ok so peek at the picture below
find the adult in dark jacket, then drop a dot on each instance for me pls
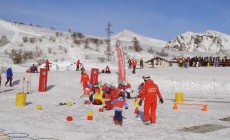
(141, 63)
(9, 76)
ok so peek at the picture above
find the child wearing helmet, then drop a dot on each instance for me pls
(119, 103)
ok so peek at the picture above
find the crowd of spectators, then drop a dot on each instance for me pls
(204, 62)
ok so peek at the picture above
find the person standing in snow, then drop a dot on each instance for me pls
(129, 62)
(141, 63)
(134, 64)
(119, 103)
(78, 65)
(48, 64)
(9, 76)
(84, 79)
(150, 93)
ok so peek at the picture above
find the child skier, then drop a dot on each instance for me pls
(119, 104)
(128, 90)
(87, 92)
(107, 97)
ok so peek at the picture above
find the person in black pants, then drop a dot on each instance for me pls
(9, 76)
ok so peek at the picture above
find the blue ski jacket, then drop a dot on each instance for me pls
(9, 73)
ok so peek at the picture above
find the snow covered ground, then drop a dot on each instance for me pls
(209, 86)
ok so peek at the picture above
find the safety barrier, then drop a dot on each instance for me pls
(205, 106)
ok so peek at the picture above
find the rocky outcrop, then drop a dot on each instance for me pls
(210, 41)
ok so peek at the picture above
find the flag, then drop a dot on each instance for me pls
(121, 63)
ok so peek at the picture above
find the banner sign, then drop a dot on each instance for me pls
(121, 63)
(43, 80)
(94, 76)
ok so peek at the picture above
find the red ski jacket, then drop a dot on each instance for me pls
(84, 78)
(133, 63)
(78, 62)
(150, 92)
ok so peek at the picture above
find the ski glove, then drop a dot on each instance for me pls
(140, 103)
(161, 101)
(126, 107)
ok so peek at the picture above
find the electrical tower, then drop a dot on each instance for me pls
(108, 41)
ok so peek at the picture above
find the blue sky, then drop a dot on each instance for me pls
(160, 19)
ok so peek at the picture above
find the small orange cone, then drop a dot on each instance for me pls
(205, 108)
(90, 115)
(101, 110)
(175, 106)
(136, 111)
(69, 118)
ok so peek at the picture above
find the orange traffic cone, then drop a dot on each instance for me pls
(205, 108)
(175, 106)
(90, 115)
(101, 110)
(69, 118)
(136, 111)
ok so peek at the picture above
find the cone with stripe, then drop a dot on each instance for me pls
(90, 115)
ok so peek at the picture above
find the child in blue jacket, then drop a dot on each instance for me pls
(119, 103)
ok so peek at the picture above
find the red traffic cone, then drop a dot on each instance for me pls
(101, 110)
(69, 118)
(136, 111)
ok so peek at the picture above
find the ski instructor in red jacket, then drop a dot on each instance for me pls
(150, 93)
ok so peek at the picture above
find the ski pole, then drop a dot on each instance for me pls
(27, 87)
(30, 83)
(23, 84)
(82, 95)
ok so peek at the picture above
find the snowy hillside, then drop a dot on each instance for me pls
(35, 44)
(209, 41)
(127, 36)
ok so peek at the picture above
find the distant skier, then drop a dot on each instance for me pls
(78, 65)
(134, 64)
(150, 93)
(47, 64)
(107, 69)
(129, 62)
(9, 76)
(84, 79)
(119, 103)
(141, 63)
